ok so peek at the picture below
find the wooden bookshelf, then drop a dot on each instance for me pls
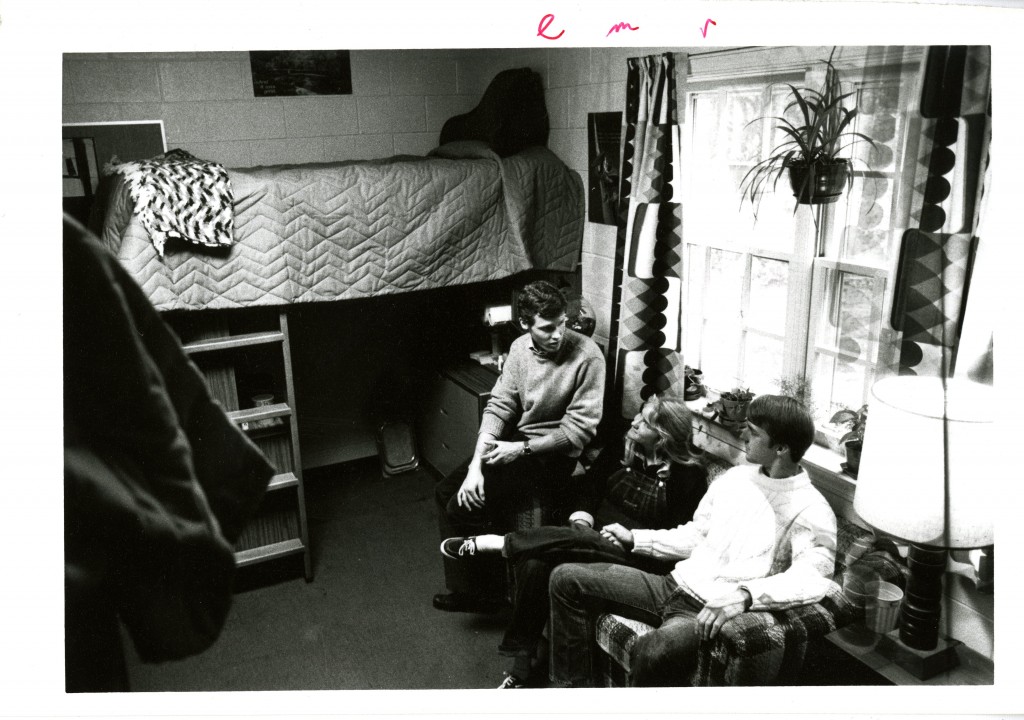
(223, 347)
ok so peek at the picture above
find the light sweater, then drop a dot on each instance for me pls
(775, 537)
(561, 395)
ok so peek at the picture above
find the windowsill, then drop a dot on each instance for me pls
(822, 464)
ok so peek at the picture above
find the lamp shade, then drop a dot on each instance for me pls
(920, 478)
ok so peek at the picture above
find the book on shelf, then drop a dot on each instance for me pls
(269, 527)
(277, 448)
(220, 381)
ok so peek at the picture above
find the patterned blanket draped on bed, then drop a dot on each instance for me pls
(180, 196)
(355, 229)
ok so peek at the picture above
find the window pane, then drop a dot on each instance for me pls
(723, 296)
(707, 140)
(720, 353)
(879, 117)
(782, 96)
(821, 385)
(769, 281)
(839, 384)
(762, 362)
(724, 148)
(856, 317)
(864, 231)
(744, 138)
(851, 320)
(867, 236)
(693, 318)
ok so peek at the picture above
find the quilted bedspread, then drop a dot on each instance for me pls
(356, 229)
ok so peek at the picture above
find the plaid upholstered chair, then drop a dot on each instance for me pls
(762, 647)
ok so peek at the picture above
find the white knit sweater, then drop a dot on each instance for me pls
(776, 537)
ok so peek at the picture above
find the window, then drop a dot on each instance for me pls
(799, 295)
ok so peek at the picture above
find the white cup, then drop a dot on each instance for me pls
(883, 608)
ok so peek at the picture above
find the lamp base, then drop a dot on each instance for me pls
(922, 664)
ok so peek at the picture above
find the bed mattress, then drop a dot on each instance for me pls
(357, 229)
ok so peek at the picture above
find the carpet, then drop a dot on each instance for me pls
(365, 621)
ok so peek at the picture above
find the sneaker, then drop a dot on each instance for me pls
(511, 682)
(461, 602)
(458, 548)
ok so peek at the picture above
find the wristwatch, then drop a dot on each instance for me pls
(526, 447)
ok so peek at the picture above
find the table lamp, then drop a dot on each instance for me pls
(496, 317)
(919, 482)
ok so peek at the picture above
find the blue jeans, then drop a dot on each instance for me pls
(533, 554)
(581, 593)
(547, 476)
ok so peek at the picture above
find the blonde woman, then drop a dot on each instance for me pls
(657, 448)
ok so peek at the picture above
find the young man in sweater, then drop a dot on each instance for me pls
(544, 409)
(763, 538)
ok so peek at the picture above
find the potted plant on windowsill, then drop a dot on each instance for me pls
(811, 152)
(853, 440)
(734, 404)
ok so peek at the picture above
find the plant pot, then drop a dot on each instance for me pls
(734, 410)
(819, 184)
(853, 448)
(693, 384)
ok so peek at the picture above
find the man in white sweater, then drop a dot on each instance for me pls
(763, 538)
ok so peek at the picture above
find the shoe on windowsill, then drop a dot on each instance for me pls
(459, 548)
(511, 682)
(462, 602)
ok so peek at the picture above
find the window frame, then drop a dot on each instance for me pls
(816, 254)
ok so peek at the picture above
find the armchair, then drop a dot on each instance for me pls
(762, 647)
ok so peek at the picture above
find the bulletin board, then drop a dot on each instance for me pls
(87, 147)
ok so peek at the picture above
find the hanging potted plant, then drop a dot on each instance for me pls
(813, 146)
(853, 440)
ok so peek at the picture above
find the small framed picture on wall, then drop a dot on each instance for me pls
(300, 72)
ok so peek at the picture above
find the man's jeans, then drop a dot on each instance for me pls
(581, 593)
(533, 554)
(547, 476)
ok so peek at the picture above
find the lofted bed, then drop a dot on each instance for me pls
(489, 202)
(360, 229)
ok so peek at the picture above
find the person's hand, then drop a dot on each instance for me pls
(471, 493)
(719, 611)
(630, 449)
(618, 535)
(501, 452)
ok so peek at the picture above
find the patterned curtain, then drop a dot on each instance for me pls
(937, 256)
(647, 282)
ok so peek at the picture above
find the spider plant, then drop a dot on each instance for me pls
(812, 146)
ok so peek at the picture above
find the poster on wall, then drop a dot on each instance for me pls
(300, 72)
(604, 132)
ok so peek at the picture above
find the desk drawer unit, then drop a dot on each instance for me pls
(451, 416)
